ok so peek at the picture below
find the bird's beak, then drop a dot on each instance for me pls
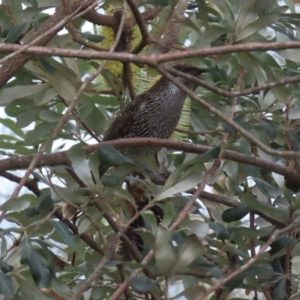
(199, 71)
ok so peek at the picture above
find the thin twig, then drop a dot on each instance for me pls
(146, 39)
(149, 59)
(87, 283)
(79, 120)
(225, 93)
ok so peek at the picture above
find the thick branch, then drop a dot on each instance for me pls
(103, 20)
(60, 158)
(150, 59)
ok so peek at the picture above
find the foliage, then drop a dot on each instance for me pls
(47, 256)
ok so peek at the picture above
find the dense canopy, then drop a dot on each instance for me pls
(219, 220)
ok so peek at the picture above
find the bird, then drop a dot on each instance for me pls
(153, 114)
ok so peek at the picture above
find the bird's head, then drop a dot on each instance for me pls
(188, 69)
(165, 88)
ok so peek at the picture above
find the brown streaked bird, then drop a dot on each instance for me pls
(154, 114)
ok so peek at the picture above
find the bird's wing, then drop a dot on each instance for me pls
(120, 127)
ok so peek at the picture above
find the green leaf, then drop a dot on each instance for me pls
(27, 117)
(261, 23)
(279, 292)
(80, 164)
(209, 35)
(169, 214)
(249, 11)
(226, 10)
(209, 155)
(49, 116)
(3, 249)
(265, 208)
(189, 250)
(110, 181)
(148, 238)
(29, 290)
(162, 2)
(142, 284)
(18, 204)
(109, 156)
(221, 232)
(10, 94)
(195, 227)
(15, 33)
(45, 202)
(294, 114)
(26, 249)
(63, 79)
(33, 3)
(191, 293)
(236, 213)
(268, 189)
(95, 38)
(187, 183)
(63, 231)
(165, 257)
(6, 286)
(39, 132)
(5, 267)
(150, 220)
(40, 273)
(12, 126)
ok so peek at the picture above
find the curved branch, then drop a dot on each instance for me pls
(61, 158)
(150, 59)
(103, 20)
(225, 93)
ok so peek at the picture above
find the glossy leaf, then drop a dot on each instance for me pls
(108, 155)
(6, 286)
(142, 284)
(165, 257)
(64, 233)
(189, 250)
(236, 213)
(15, 33)
(95, 38)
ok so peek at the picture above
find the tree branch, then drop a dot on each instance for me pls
(225, 93)
(150, 59)
(61, 158)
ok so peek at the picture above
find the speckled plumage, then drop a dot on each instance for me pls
(155, 113)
